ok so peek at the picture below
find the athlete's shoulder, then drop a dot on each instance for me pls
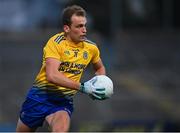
(58, 38)
(92, 46)
(87, 41)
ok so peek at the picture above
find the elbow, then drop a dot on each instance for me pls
(50, 78)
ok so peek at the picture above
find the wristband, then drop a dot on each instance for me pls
(82, 89)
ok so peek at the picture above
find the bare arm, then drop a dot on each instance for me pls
(58, 78)
(99, 68)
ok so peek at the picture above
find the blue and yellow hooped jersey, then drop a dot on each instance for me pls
(74, 59)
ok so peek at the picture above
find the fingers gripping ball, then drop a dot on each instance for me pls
(105, 82)
(99, 87)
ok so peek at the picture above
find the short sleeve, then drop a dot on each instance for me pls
(96, 54)
(52, 50)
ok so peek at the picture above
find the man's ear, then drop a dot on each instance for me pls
(66, 28)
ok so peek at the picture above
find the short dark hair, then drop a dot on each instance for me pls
(71, 10)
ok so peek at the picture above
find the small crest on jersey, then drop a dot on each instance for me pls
(66, 52)
(85, 55)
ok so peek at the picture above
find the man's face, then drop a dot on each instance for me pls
(77, 29)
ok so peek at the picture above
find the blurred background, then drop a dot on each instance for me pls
(140, 46)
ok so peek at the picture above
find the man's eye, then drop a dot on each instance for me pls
(79, 26)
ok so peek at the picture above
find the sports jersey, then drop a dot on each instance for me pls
(74, 59)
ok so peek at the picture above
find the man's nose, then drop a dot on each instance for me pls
(84, 30)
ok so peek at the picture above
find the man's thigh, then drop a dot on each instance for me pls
(21, 127)
(59, 121)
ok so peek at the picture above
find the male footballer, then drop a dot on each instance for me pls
(65, 57)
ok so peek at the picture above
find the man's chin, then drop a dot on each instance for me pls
(82, 39)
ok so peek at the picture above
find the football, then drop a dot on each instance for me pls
(103, 81)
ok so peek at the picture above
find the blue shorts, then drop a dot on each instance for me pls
(36, 107)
